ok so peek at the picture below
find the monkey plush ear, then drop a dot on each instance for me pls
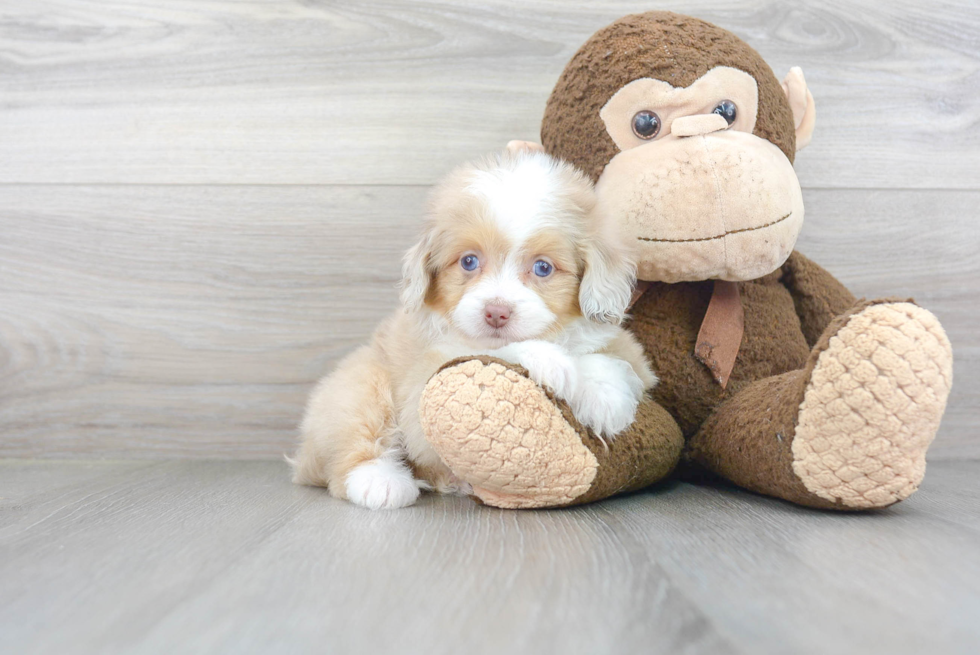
(801, 102)
(524, 146)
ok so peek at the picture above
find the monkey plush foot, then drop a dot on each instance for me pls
(519, 447)
(873, 406)
(850, 431)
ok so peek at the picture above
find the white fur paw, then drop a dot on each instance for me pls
(383, 483)
(547, 364)
(609, 391)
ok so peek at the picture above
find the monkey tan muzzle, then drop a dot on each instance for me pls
(723, 205)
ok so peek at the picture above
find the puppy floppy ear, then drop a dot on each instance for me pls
(607, 284)
(417, 273)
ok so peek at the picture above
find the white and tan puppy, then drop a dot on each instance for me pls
(514, 262)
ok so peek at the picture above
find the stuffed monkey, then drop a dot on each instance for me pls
(772, 374)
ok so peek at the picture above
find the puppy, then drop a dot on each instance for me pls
(514, 262)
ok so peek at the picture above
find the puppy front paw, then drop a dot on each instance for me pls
(609, 391)
(382, 483)
(548, 365)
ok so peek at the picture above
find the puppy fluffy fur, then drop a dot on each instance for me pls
(514, 262)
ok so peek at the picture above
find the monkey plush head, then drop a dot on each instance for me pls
(690, 139)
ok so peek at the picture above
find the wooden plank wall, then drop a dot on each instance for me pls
(203, 203)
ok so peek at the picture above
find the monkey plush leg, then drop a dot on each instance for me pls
(850, 430)
(817, 295)
(519, 447)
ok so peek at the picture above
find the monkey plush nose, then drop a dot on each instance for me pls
(496, 315)
(698, 125)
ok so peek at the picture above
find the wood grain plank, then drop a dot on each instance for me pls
(230, 557)
(192, 321)
(117, 91)
(167, 320)
(769, 558)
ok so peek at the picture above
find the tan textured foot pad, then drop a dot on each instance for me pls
(873, 406)
(499, 431)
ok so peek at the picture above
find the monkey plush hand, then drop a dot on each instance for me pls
(772, 374)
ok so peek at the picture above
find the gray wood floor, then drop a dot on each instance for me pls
(229, 557)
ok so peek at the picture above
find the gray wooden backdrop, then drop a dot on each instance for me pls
(203, 203)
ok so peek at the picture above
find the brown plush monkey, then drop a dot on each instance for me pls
(772, 374)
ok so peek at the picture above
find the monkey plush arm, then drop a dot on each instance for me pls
(817, 295)
(521, 447)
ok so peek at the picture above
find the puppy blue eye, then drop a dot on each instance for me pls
(542, 268)
(469, 262)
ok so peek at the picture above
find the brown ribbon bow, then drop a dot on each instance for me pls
(721, 330)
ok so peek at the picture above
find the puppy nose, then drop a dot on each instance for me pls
(497, 315)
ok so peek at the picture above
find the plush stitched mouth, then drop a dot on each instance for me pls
(719, 236)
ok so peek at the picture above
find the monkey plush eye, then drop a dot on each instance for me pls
(543, 268)
(646, 124)
(726, 109)
(469, 262)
